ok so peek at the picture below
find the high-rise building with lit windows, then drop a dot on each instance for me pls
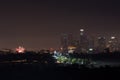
(83, 44)
(91, 44)
(101, 44)
(113, 44)
(68, 43)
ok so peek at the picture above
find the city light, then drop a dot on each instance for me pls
(20, 49)
(55, 52)
(81, 30)
(91, 49)
(71, 49)
(112, 37)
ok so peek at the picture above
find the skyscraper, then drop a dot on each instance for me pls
(101, 44)
(113, 44)
(70, 39)
(91, 44)
(68, 43)
(83, 45)
(64, 43)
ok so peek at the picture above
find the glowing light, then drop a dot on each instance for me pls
(61, 48)
(55, 52)
(81, 30)
(90, 49)
(20, 49)
(71, 49)
(112, 37)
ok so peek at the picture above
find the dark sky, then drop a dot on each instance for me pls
(39, 24)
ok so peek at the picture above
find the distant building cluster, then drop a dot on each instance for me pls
(87, 44)
(84, 44)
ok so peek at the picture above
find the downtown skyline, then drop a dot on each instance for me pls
(39, 24)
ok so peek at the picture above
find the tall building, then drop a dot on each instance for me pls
(101, 44)
(70, 39)
(68, 44)
(83, 44)
(113, 44)
(91, 43)
(64, 43)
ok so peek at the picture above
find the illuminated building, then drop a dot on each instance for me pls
(68, 44)
(67, 40)
(101, 44)
(84, 43)
(113, 44)
(81, 31)
(91, 45)
(71, 49)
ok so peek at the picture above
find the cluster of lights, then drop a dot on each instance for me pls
(69, 60)
(81, 31)
(20, 49)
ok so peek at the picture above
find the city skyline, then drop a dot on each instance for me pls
(39, 24)
(70, 36)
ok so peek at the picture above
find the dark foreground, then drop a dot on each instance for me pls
(35, 71)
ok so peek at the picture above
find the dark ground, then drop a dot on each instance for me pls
(20, 71)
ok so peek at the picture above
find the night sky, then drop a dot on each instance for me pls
(39, 24)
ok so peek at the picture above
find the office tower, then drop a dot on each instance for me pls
(71, 43)
(68, 44)
(83, 45)
(70, 39)
(101, 44)
(64, 43)
(113, 44)
(91, 44)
